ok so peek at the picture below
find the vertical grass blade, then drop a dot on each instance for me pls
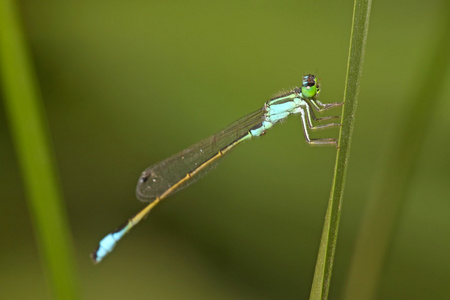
(324, 264)
(381, 216)
(30, 136)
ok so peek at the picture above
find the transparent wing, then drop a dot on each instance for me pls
(160, 177)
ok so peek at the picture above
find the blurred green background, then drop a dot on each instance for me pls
(126, 84)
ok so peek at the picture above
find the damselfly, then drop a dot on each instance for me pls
(178, 171)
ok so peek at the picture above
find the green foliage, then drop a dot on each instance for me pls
(324, 264)
(30, 134)
(388, 203)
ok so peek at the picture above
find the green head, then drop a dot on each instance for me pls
(310, 86)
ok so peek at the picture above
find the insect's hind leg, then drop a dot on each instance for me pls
(305, 125)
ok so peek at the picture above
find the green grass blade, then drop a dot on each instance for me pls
(30, 136)
(324, 264)
(381, 216)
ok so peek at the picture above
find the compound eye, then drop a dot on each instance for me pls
(309, 86)
(309, 80)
